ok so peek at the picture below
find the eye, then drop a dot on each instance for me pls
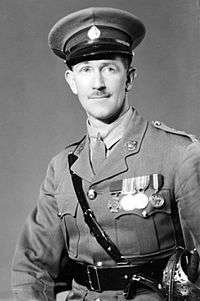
(110, 69)
(85, 69)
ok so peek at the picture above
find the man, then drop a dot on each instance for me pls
(107, 218)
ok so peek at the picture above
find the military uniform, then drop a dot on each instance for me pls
(56, 228)
(150, 176)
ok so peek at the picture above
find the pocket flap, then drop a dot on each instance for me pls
(66, 205)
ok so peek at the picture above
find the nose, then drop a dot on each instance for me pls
(98, 81)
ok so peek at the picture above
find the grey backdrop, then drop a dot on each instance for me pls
(39, 115)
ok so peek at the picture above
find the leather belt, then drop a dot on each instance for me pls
(101, 278)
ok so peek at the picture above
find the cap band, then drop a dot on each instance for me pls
(97, 49)
(106, 33)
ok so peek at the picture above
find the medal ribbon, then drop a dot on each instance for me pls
(156, 181)
(141, 183)
(128, 186)
(133, 185)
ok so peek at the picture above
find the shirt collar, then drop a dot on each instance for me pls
(111, 133)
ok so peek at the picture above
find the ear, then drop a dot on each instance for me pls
(69, 77)
(131, 75)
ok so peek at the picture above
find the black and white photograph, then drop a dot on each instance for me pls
(100, 150)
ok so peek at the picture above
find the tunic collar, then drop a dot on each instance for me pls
(111, 133)
(129, 144)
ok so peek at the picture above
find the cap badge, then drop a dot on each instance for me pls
(93, 33)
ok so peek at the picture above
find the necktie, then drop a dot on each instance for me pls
(98, 153)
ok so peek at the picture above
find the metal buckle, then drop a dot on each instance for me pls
(93, 278)
(130, 288)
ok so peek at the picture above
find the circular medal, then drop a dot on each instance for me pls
(136, 201)
(141, 200)
(156, 200)
(127, 202)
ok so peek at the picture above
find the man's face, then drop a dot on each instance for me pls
(100, 86)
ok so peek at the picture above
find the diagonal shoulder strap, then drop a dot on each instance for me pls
(90, 219)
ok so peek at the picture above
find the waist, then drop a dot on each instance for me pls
(103, 278)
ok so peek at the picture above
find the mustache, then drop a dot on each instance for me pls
(99, 94)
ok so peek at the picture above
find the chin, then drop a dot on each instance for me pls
(107, 118)
(102, 117)
(100, 114)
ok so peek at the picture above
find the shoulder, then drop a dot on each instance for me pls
(173, 144)
(180, 147)
(174, 134)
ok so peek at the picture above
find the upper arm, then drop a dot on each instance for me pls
(40, 246)
(187, 189)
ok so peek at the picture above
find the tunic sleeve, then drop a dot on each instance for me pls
(39, 250)
(187, 190)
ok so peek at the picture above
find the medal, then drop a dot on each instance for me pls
(141, 184)
(141, 200)
(132, 192)
(127, 202)
(115, 191)
(128, 190)
(136, 201)
(113, 205)
(156, 200)
(134, 196)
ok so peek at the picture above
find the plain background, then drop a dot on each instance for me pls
(38, 113)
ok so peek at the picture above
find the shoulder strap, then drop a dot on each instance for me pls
(90, 219)
(160, 125)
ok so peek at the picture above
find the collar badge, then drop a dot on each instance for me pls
(131, 145)
(93, 33)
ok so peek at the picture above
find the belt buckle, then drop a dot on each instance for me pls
(93, 278)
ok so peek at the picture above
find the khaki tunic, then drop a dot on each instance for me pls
(55, 230)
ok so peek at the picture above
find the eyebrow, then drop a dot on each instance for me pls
(102, 64)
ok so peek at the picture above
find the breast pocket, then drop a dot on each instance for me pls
(67, 211)
(142, 234)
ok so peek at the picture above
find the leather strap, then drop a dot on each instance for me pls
(101, 236)
(120, 277)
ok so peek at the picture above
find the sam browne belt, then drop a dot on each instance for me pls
(125, 275)
(122, 276)
(118, 277)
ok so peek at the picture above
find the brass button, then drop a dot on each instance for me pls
(132, 144)
(157, 123)
(59, 214)
(91, 194)
(144, 213)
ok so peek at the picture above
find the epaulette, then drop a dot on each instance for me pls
(79, 145)
(160, 125)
